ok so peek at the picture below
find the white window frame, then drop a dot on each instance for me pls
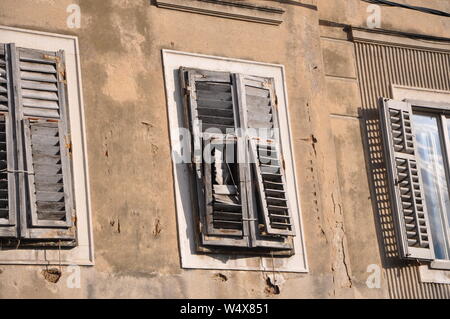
(172, 61)
(83, 253)
(434, 97)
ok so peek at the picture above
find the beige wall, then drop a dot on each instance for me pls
(129, 155)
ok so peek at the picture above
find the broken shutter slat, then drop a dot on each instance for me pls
(405, 180)
(40, 72)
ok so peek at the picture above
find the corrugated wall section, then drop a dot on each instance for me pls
(380, 66)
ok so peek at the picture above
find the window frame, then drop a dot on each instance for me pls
(83, 253)
(190, 258)
(442, 113)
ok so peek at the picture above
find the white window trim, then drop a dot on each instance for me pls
(438, 270)
(173, 60)
(83, 254)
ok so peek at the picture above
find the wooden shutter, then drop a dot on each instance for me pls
(405, 181)
(48, 211)
(272, 190)
(212, 116)
(268, 202)
(8, 217)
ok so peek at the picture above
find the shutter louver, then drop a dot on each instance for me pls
(271, 185)
(407, 196)
(223, 200)
(50, 202)
(7, 181)
(39, 83)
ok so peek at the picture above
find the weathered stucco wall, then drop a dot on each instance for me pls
(133, 208)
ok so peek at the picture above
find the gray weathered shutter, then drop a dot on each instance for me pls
(8, 221)
(268, 200)
(271, 186)
(405, 181)
(212, 117)
(41, 109)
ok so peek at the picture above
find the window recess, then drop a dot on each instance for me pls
(240, 201)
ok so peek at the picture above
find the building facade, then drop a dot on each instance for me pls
(106, 107)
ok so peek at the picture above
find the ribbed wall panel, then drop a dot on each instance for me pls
(380, 66)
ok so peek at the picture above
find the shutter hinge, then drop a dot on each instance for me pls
(68, 144)
(60, 70)
(187, 90)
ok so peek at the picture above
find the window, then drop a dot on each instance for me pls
(234, 177)
(416, 137)
(35, 177)
(238, 167)
(44, 203)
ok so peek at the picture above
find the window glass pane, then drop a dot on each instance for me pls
(434, 178)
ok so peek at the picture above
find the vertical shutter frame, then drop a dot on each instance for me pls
(405, 177)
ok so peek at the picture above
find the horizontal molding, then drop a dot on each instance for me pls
(399, 39)
(227, 9)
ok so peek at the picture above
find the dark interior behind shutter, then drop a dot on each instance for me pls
(405, 181)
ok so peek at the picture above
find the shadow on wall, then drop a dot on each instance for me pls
(402, 276)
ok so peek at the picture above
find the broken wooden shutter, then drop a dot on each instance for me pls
(48, 203)
(8, 221)
(267, 190)
(405, 181)
(271, 186)
(212, 117)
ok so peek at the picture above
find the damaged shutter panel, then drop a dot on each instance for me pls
(267, 189)
(211, 114)
(224, 202)
(48, 203)
(405, 180)
(271, 185)
(8, 211)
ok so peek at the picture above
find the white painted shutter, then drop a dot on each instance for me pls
(405, 181)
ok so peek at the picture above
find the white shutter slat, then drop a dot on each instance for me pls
(406, 188)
